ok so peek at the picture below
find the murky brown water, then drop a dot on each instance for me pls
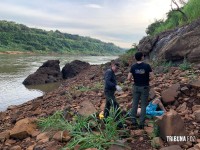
(15, 68)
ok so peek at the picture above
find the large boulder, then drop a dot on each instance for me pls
(146, 44)
(174, 45)
(72, 69)
(171, 124)
(169, 95)
(23, 128)
(49, 72)
(180, 47)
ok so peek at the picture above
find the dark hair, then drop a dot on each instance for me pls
(138, 56)
(115, 63)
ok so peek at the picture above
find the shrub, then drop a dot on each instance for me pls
(185, 65)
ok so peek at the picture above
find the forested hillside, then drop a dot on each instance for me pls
(183, 14)
(19, 37)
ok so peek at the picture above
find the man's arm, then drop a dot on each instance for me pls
(130, 76)
(151, 75)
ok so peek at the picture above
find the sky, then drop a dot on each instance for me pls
(122, 22)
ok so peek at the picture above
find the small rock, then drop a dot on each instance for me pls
(173, 147)
(4, 136)
(185, 90)
(195, 107)
(23, 128)
(149, 130)
(137, 132)
(141, 138)
(182, 107)
(197, 115)
(10, 142)
(42, 136)
(158, 142)
(16, 148)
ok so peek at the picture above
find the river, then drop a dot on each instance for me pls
(15, 68)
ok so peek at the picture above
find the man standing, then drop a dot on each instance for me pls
(141, 73)
(110, 88)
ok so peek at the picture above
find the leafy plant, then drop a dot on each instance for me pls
(55, 122)
(101, 135)
(185, 65)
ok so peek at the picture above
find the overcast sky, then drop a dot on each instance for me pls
(122, 22)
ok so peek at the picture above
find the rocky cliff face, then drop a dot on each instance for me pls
(174, 45)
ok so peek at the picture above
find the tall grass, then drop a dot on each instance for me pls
(54, 122)
(192, 9)
(185, 65)
(86, 132)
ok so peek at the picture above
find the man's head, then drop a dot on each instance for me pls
(139, 56)
(115, 66)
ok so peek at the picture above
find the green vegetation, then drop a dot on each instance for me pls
(156, 131)
(152, 28)
(154, 134)
(83, 88)
(18, 37)
(164, 64)
(128, 56)
(86, 131)
(175, 18)
(185, 65)
(97, 86)
(93, 87)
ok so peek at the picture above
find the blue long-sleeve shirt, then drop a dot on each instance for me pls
(110, 80)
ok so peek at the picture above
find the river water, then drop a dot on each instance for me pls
(15, 68)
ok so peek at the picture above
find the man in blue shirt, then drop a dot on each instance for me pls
(140, 72)
(110, 88)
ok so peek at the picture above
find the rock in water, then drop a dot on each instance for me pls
(49, 72)
(72, 69)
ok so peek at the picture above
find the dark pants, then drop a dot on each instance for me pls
(140, 92)
(110, 101)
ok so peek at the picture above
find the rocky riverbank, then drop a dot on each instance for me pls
(83, 94)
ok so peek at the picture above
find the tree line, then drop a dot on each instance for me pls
(19, 37)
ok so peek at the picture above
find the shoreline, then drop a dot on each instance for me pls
(15, 52)
(52, 53)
